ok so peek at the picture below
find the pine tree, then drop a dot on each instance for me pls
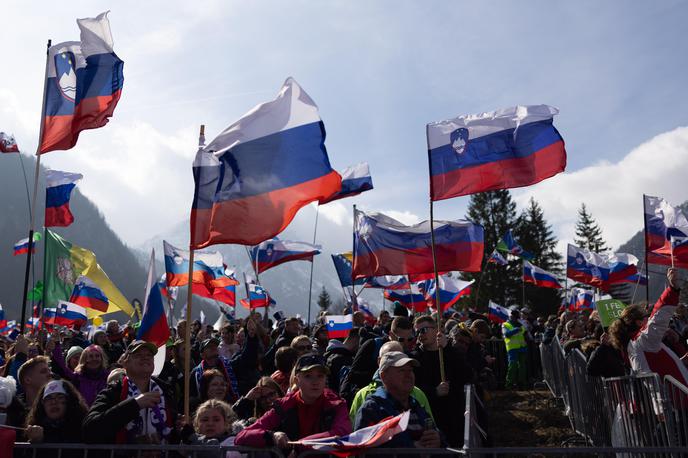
(324, 300)
(588, 233)
(536, 236)
(496, 212)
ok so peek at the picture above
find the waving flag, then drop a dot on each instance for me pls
(253, 178)
(497, 258)
(87, 294)
(70, 315)
(22, 246)
(64, 263)
(3, 320)
(257, 297)
(342, 264)
(413, 298)
(496, 313)
(84, 85)
(507, 148)
(355, 180)
(274, 252)
(58, 190)
(362, 439)
(364, 307)
(9, 328)
(209, 278)
(388, 282)
(338, 326)
(451, 290)
(539, 277)
(154, 327)
(601, 270)
(581, 299)
(666, 232)
(384, 246)
(508, 245)
(8, 144)
(49, 315)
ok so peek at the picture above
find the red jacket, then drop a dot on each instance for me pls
(334, 421)
(646, 351)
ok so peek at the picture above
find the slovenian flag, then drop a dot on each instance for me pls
(581, 299)
(413, 298)
(451, 290)
(362, 439)
(338, 326)
(253, 178)
(87, 294)
(58, 191)
(209, 276)
(22, 246)
(666, 232)
(384, 246)
(10, 328)
(70, 315)
(355, 180)
(539, 277)
(154, 326)
(257, 297)
(507, 148)
(508, 244)
(49, 315)
(84, 85)
(8, 144)
(497, 258)
(496, 313)
(3, 320)
(600, 270)
(388, 282)
(274, 252)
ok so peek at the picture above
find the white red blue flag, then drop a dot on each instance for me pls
(361, 439)
(508, 244)
(153, 327)
(22, 246)
(413, 298)
(355, 180)
(58, 190)
(253, 178)
(8, 144)
(257, 297)
(70, 315)
(451, 290)
(384, 246)
(210, 278)
(3, 320)
(87, 294)
(388, 282)
(338, 326)
(539, 277)
(497, 258)
(274, 252)
(507, 148)
(496, 313)
(666, 233)
(600, 270)
(84, 85)
(581, 299)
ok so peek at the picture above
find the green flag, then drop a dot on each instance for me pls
(609, 310)
(36, 294)
(64, 263)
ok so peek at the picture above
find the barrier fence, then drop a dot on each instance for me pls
(636, 411)
(496, 348)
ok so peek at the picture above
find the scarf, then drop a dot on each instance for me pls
(150, 421)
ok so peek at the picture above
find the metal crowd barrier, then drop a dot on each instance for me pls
(638, 411)
(474, 435)
(496, 348)
(677, 397)
(29, 450)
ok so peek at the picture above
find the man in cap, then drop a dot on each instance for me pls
(138, 409)
(393, 398)
(516, 350)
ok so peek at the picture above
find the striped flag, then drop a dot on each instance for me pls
(497, 313)
(87, 294)
(338, 326)
(22, 246)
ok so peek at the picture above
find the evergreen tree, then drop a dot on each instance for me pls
(536, 236)
(324, 300)
(496, 212)
(588, 233)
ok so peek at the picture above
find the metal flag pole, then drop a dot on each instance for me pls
(434, 265)
(354, 301)
(671, 244)
(640, 274)
(32, 208)
(647, 266)
(523, 282)
(189, 303)
(310, 283)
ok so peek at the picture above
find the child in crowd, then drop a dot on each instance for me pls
(214, 425)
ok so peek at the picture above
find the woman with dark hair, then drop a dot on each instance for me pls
(214, 386)
(56, 417)
(259, 400)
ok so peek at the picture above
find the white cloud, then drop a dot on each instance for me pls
(613, 192)
(336, 212)
(404, 216)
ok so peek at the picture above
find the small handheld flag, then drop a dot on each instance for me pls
(87, 294)
(154, 327)
(508, 244)
(274, 252)
(58, 191)
(8, 144)
(497, 313)
(539, 277)
(338, 326)
(22, 246)
(497, 258)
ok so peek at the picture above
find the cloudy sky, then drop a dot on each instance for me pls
(379, 72)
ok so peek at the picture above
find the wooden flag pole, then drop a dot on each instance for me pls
(189, 303)
(523, 282)
(671, 244)
(310, 283)
(32, 208)
(438, 303)
(354, 301)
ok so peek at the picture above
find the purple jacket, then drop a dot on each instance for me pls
(89, 385)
